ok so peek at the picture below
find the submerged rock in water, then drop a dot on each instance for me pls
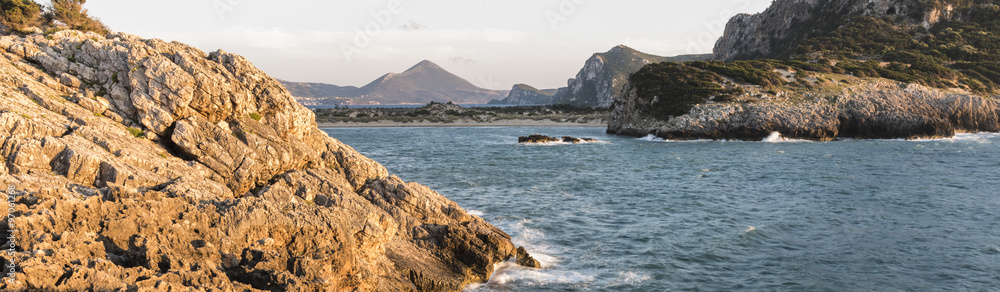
(537, 139)
(138, 164)
(574, 140)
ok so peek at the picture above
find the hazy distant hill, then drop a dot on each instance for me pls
(601, 80)
(422, 83)
(523, 94)
(327, 93)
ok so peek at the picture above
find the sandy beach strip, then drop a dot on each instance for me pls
(462, 124)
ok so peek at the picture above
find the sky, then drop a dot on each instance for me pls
(492, 43)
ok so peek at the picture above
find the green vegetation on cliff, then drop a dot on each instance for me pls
(21, 14)
(672, 88)
(18, 14)
(959, 52)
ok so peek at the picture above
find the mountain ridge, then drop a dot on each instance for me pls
(420, 84)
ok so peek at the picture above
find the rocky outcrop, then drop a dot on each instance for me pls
(523, 94)
(540, 139)
(574, 140)
(877, 109)
(604, 75)
(774, 32)
(537, 139)
(139, 164)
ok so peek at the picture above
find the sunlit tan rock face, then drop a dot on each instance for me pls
(142, 164)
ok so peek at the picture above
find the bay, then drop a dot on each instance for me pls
(631, 214)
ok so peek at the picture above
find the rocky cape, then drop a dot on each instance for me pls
(825, 69)
(139, 164)
(870, 109)
(523, 94)
(597, 84)
(604, 76)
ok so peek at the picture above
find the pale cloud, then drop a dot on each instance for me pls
(510, 40)
(413, 25)
(462, 60)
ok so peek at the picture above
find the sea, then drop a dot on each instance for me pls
(644, 214)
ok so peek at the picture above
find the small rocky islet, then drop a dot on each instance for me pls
(542, 139)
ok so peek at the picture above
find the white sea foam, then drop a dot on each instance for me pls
(628, 278)
(509, 274)
(476, 213)
(776, 137)
(982, 138)
(652, 138)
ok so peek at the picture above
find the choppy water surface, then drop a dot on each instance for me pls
(642, 215)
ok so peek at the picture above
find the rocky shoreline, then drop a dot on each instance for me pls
(138, 164)
(447, 114)
(868, 109)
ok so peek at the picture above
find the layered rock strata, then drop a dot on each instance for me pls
(140, 164)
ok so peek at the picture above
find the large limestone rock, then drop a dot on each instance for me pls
(773, 32)
(139, 164)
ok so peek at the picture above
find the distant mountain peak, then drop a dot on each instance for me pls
(623, 50)
(523, 86)
(425, 64)
(619, 48)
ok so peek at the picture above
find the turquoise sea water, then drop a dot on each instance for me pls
(633, 214)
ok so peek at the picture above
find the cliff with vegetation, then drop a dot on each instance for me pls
(597, 84)
(142, 164)
(523, 94)
(604, 75)
(826, 69)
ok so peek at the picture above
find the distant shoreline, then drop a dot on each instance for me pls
(450, 115)
(461, 124)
